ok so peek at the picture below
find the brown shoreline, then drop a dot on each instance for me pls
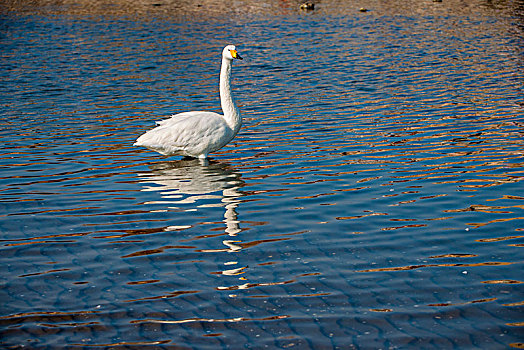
(195, 10)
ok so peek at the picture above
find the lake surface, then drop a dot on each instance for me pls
(373, 199)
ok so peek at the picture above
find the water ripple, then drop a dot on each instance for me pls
(371, 199)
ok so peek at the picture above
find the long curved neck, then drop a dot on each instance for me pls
(231, 113)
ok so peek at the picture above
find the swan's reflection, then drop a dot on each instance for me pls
(189, 181)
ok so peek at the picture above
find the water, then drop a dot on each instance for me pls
(373, 198)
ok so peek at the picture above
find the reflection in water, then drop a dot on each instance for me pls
(189, 181)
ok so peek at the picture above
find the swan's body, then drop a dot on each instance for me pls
(196, 134)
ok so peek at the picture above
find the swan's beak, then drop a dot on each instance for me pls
(235, 54)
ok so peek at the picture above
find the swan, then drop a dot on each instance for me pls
(196, 134)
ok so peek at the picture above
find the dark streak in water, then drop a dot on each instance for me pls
(413, 267)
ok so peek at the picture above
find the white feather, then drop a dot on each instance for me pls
(196, 133)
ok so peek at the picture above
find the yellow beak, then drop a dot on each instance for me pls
(235, 54)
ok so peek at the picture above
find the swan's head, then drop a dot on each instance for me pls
(230, 53)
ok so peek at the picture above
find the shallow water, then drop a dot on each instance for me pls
(373, 199)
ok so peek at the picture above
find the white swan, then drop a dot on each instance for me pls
(196, 134)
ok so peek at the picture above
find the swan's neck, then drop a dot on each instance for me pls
(231, 113)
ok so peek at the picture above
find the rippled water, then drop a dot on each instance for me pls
(373, 199)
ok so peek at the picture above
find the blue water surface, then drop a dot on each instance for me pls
(373, 198)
